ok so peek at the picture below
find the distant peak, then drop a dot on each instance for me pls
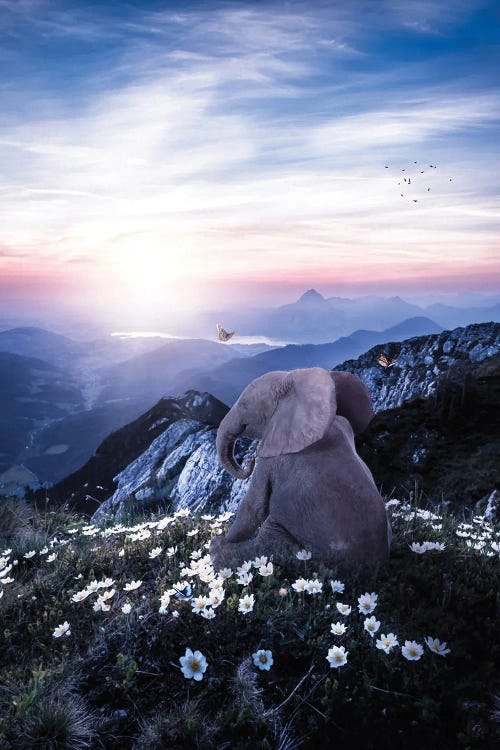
(311, 296)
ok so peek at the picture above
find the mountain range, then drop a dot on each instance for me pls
(436, 412)
(93, 388)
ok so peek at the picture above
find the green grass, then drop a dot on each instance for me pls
(116, 682)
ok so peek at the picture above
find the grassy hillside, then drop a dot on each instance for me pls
(113, 677)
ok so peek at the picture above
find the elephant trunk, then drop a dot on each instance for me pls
(227, 435)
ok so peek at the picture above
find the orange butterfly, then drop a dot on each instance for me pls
(384, 362)
(224, 335)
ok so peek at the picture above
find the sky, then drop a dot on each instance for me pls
(170, 155)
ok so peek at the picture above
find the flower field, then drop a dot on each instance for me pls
(126, 637)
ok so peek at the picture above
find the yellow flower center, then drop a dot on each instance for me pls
(194, 665)
(263, 658)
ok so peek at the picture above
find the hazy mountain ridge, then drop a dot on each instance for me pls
(228, 380)
(316, 319)
(194, 477)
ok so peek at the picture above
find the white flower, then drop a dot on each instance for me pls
(80, 595)
(155, 552)
(259, 561)
(314, 587)
(436, 646)
(225, 573)
(52, 557)
(344, 609)
(208, 613)
(61, 630)
(337, 656)
(412, 650)
(175, 614)
(244, 579)
(338, 628)
(216, 597)
(263, 659)
(244, 567)
(371, 625)
(100, 605)
(44, 551)
(126, 608)
(7, 580)
(183, 513)
(106, 583)
(246, 604)
(418, 547)
(199, 603)
(386, 642)
(303, 554)
(389, 503)
(194, 532)
(337, 587)
(196, 554)
(121, 553)
(132, 585)
(108, 595)
(171, 551)
(367, 602)
(300, 584)
(193, 665)
(30, 554)
(266, 570)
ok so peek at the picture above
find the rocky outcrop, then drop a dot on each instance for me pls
(93, 484)
(434, 404)
(422, 362)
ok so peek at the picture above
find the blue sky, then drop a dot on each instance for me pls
(221, 152)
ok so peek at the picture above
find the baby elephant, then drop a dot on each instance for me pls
(309, 489)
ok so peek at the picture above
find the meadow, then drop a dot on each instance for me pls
(124, 636)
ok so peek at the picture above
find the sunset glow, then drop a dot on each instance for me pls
(160, 155)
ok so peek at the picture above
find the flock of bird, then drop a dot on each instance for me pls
(407, 179)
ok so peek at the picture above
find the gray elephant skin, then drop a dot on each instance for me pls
(309, 488)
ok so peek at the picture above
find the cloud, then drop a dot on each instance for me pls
(249, 139)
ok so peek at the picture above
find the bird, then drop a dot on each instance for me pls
(409, 180)
(415, 162)
(384, 362)
(402, 196)
(387, 167)
(415, 200)
(224, 335)
(403, 170)
(404, 179)
(451, 180)
(428, 189)
(422, 172)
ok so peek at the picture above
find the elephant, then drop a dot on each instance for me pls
(309, 487)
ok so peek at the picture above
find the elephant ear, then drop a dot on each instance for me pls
(353, 400)
(306, 406)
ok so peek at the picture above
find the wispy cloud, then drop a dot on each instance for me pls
(239, 141)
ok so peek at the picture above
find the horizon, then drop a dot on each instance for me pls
(158, 159)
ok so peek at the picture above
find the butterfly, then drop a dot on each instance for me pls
(384, 362)
(223, 334)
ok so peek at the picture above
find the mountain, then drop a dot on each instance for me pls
(228, 380)
(38, 343)
(422, 362)
(451, 317)
(447, 444)
(93, 482)
(436, 423)
(149, 375)
(32, 394)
